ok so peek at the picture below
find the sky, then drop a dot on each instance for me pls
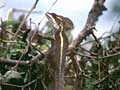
(76, 10)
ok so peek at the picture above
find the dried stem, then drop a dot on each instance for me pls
(23, 21)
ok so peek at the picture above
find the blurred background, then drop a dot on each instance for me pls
(76, 10)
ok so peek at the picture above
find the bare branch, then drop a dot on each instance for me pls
(23, 21)
(93, 16)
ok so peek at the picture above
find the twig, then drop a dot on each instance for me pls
(76, 64)
(88, 56)
(114, 70)
(23, 21)
(92, 53)
(13, 62)
(34, 60)
(100, 38)
(113, 25)
(98, 43)
(6, 41)
(26, 11)
(9, 84)
(99, 57)
(109, 56)
(43, 18)
(18, 36)
(28, 84)
(20, 58)
(107, 76)
(47, 11)
(44, 85)
(101, 80)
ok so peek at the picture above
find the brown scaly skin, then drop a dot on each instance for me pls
(67, 23)
(59, 47)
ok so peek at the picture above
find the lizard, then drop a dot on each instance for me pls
(60, 25)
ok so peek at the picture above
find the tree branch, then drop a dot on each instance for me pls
(96, 11)
(34, 60)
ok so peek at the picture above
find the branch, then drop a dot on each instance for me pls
(107, 76)
(23, 21)
(26, 11)
(93, 16)
(34, 60)
(28, 84)
(12, 62)
(9, 84)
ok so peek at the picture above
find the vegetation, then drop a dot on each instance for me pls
(26, 64)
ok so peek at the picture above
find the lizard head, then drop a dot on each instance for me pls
(58, 20)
